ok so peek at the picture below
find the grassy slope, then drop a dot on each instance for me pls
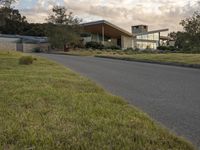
(46, 106)
(168, 57)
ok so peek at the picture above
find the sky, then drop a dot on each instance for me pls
(157, 14)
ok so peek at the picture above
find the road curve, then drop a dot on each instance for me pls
(169, 94)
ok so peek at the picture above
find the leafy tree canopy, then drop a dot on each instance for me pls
(191, 25)
(64, 29)
(60, 16)
(189, 39)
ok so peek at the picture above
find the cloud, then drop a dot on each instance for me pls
(125, 13)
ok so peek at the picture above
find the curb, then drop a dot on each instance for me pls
(197, 66)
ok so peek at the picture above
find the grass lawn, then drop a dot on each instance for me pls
(180, 58)
(46, 106)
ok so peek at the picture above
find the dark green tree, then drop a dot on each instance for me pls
(11, 21)
(189, 39)
(64, 29)
(191, 26)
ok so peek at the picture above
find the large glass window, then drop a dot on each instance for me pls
(152, 36)
(146, 45)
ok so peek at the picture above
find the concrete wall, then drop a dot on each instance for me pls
(29, 47)
(8, 44)
(126, 42)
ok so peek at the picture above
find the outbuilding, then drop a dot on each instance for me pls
(23, 43)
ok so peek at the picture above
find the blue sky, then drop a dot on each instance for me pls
(124, 13)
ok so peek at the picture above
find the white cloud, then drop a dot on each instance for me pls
(125, 13)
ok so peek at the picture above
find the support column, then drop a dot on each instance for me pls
(159, 39)
(103, 34)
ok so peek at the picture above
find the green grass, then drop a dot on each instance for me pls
(46, 106)
(179, 58)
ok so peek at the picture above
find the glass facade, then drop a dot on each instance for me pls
(147, 45)
(152, 36)
(151, 44)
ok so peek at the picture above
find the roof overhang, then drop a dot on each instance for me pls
(110, 29)
(151, 32)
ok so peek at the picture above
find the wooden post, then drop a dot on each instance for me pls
(103, 34)
(159, 39)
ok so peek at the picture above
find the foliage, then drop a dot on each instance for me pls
(11, 21)
(60, 36)
(192, 24)
(170, 48)
(63, 29)
(189, 39)
(113, 47)
(26, 60)
(60, 16)
(35, 29)
(94, 45)
(37, 50)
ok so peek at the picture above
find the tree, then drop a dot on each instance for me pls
(61, 17)
(191, 25)
(62, 36)
(11, 21)
(189, 39)
(64, 29)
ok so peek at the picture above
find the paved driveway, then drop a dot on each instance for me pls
(169, 94)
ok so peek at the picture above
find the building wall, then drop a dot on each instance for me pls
(29, 47)
(126, 42)
(8, 44)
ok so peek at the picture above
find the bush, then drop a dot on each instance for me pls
(94, 45)
(37, 50)
(170, 48)
(113, 47)
(26, 60)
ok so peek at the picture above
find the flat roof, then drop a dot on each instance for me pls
(154, 31)
(26, 38)
(139, 25)
(110, 25)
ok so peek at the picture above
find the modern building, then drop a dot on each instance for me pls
(111, 35)
(22, 43)
(108, 34)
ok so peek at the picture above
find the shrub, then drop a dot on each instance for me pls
(129, 49)
(170, 48)
(37, 50)
(26, 60)
(94, 45)
(113, 47)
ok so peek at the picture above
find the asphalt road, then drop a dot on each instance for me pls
(169, 94)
